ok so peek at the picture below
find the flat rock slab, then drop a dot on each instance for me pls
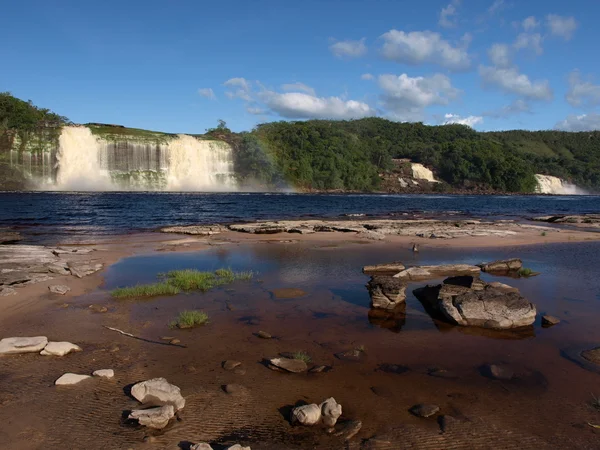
(9, 236)
(354, 355)
(592, 355)
(25, 255)
(196, 230)
(59, 349)
(548, 320)
(104, 373)
(289, 364)
(286, 293)
(82, 269)
(445, 270)
(158, 392)
(348, 429)
(5, 291)
(231, 364)
(60, 289)
(156, 418)
(502, 266)
(14, 277)
(58, 269)
(424, 410)
(69, 379)
(16, 345)
(498, 372)
(384, 269)
(235, 389)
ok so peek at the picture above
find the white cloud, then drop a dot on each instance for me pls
(530, 23)
(298, 87)
(349, 48)
(470, 121)
(241, 83)
(256, 110)
(366, 76)
(448, 15)
(517, 107)
(561, 26)
(584, 122)
(497, 6)
(241, 88)
(297, 105)
(419, 47)
(511, 81)
(405, 98)
(208, 93)
(499, 54)
(582, 92)
(531, 41)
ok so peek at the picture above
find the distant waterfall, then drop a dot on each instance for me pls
(86, 162)
(552, 185)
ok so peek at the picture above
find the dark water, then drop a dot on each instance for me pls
(112, 212)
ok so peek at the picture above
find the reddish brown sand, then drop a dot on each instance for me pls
(546, 408)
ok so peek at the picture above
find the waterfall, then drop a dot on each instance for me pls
(420, 172)
(86, 162)
(552, 185)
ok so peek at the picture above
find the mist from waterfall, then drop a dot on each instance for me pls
(548, 184)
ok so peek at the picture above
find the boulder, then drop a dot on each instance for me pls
(104, 373)
(59, 349)
(548, 321)
(349, 429)
(384, 269)
(592, 355)
(5, 291)
(22, 345)
(14, 277)
(157, 418)
(288, 364)
(81, 269)
(60, 289)
(231, 365)
(158, 392)
(201, 446)
(424, 410)
(490, 307)
(429, 272)
(330, 412)
(58, 269)
(502, 266)
(386, 292)
(71, 378)
(498, 372)
(307, 415)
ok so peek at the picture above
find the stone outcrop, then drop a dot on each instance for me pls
(502, 266)
(386, 292)
(420, 273)
(59, 349)
(82, 269)
(158, 392)
(288, 364)
(7, 236)
(196, 230)
(16, 345)
(478, 305)
(60, 289)
(585, 220)
(156, 418)
(384, 269)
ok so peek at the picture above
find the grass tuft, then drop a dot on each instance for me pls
(189, 319)
(525, 272)
(302, 356)
(595, 403)
(145, 290)
(543, 233)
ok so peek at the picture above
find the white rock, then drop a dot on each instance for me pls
(70, 378)
(158, 392)
(59, 349)
(238, 447)
(104, 373)
(201, 446)
(22, 344)
(154, 417)
(59, 289)
(330, 412)
(306, 415)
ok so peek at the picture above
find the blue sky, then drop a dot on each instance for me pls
(179, 66)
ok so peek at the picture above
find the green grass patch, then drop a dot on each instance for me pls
(543, 233)
(145, 290)
(302, 356)
(189, 319)
(526, 272)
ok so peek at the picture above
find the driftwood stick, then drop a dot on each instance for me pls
(143, 339)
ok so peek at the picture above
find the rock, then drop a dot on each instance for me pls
(158, 392)
(264, 335)
(70, 378)
(98, 308)
(330, 412)
(415, 248)
(307, 415)
(156, 418)
(386, 292)
(104, 373)
(237, 447)
(384, 269)
(14, 277)
(79, 250)
(499, 372)
(446, 270)
(503, 287)
(174, 341)
(59, 289)
(9, 236)
(592, 355)
(466, 281)
(502, 266)
(488, 308)
(286, 293)
(196, 230)
(349, 429)
(59, 349)
(5, 291)
(58, 269)
(239, 370)
(370, 234)
(235, 389)
(350, 355)
(548, 321)
(289, 364)
(424, 410)
(447, 423)
(81, 269)
(393, 368)
(14, 345)
(230, 364)
(201, 446)
(442, 373)
(320, 369)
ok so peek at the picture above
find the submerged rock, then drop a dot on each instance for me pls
(156, 418)
(445, 270)
(548, 321)
(71, 378)
(592, 355)
(104, 373)
(350, 355)
(158, 392)
(264, 335)
(498, 371)
(502, 266)
(286, 293)
(424, 410)
(59, 289)
(15, 345)
(386, 292)
(288, 364)
(59, 349)
(348, 429)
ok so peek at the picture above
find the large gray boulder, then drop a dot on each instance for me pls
(386, 292)
(158, 392)
(156, 418)
(15, 345)
(419, 273)
(487, 307)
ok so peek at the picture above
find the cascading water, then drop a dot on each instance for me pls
(552, 185)
(86, 162)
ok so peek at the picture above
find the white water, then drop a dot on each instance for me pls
(420, 172)
(552, 185)
(86, 163)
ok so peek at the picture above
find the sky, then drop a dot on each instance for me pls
(179, 66)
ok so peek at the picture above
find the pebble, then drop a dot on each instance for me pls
(60, 289)
(235, 389)
(442, 373)
(98, 309)
(350, 355)
(264, 335)
(104, 373)
(424, 410)
(167, 338)
(70, 378)
(500, 372)
(319, 369)
(548, 321)
(230, 364)
(174, 341)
